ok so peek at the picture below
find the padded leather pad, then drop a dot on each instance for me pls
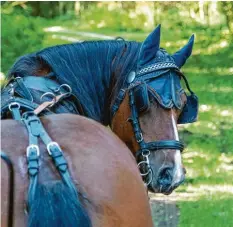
(190, 111)
(141, 97)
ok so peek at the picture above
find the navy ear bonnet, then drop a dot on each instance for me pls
(161, 81)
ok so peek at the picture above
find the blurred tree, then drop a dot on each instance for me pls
(51, 9)
(227, 10)
(24, 35)
(128, 5)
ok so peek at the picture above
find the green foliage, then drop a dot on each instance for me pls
(115, 19)
(20, 35)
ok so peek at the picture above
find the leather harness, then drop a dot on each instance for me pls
(35, 128)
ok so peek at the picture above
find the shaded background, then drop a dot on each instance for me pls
(206, 198)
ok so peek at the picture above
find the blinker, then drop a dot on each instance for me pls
(131, 77)
(141, 96)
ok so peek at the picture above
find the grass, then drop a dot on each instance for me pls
(210, 210)
(209, 154)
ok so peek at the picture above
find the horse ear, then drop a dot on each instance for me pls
(150, 46)
(183, 54)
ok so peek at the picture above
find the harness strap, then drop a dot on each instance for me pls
(14, 108)
(22, 90)
(36, 130)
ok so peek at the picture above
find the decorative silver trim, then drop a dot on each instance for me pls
(157, 66)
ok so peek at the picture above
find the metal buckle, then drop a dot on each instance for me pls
(28, 114)
(52, 144)
(16, 104)
(33, 146)
(145, 153)
(140, 139)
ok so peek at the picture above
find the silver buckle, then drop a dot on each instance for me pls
(52, 144)
(140, 139)
(14, 104)
(31, 147)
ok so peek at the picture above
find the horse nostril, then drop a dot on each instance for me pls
(165, 177)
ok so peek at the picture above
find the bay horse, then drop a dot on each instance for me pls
(108, 187)
(133, 87)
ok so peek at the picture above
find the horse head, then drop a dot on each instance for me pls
(151, 106)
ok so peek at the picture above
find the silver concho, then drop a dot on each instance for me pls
(131, 77)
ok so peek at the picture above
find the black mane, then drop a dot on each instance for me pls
(96, 70)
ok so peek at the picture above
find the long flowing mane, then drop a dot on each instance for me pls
(95, 70)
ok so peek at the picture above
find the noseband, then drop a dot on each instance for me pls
(146, 148)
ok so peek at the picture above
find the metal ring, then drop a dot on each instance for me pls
(147, 154)
(53, 101)
(66, 86)
(148, 166)
(14, 103)
(151, 178)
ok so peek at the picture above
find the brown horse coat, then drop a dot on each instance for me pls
(102, 167)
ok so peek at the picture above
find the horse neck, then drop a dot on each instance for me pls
(103, 74)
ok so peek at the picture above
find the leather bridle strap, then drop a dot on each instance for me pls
(163, 144)
(152, 146)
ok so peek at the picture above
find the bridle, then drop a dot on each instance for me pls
(145, 149)
(136, 79)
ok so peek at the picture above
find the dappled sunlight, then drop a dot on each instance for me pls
(193, 154)
(193, 193)
(212, 48)
(226, 113)
(226, 163)
(2, 76)
(202, 189)
(66, 38)
(54, 29)
(218, 71)
(226, 158)
(2, 79)
(175, 196)
(205, 108)
(67, 31)
(213, 88)
(216, 46)
(203, 127)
